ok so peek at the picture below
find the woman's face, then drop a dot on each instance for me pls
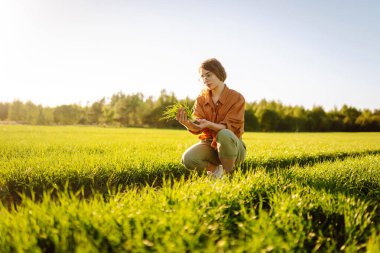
(209, 79)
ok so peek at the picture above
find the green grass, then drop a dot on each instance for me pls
(87, 189)
(170, 112)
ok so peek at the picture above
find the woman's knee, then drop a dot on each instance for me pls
(189, 162)
(225, 135)
(227, 144)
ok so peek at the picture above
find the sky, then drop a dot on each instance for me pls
(298, 52)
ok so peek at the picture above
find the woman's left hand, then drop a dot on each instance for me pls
(203, 123)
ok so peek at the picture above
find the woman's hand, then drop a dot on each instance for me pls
(181, 117)
(203, 123)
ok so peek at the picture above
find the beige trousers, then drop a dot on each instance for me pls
(198, 156)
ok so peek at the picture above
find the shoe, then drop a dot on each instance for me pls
(217, 174)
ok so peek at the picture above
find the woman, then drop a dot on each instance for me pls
(219, 119)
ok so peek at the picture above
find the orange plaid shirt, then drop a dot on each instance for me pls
(229, 111)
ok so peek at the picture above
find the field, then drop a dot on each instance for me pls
(89, 189)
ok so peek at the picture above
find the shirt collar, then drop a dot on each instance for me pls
(223, 97)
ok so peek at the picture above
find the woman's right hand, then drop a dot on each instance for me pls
(181, 117)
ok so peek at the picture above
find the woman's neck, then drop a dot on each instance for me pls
(217, 92)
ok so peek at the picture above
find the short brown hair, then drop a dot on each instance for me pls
(214, 66)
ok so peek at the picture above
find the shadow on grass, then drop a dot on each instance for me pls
(305, 160)
(120, 180)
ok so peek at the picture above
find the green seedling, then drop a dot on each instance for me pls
(170, 112)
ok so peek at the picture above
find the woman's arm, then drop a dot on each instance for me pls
(203, 123)
(234, 118)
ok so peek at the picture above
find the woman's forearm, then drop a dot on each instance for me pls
(216, 127)
(203, 123)
(192, 127)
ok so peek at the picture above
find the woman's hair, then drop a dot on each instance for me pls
(214, 66)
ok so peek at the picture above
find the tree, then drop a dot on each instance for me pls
(300, 118)
(269, 120)
(4, 107)
(67, 114)
(17, 112)
(31, 113)
(95, 112)
(350, 114)
(251, 122)
(367, 121)
(317, 120)
(128, 110)
(336, 120)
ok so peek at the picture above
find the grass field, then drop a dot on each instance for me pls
(88, 189)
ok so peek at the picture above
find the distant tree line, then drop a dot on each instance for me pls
(135, 110)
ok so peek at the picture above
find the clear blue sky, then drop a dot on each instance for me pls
(298, 52)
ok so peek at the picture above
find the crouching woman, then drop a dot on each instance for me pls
(219, 121)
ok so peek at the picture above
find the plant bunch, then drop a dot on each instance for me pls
(170, 112)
